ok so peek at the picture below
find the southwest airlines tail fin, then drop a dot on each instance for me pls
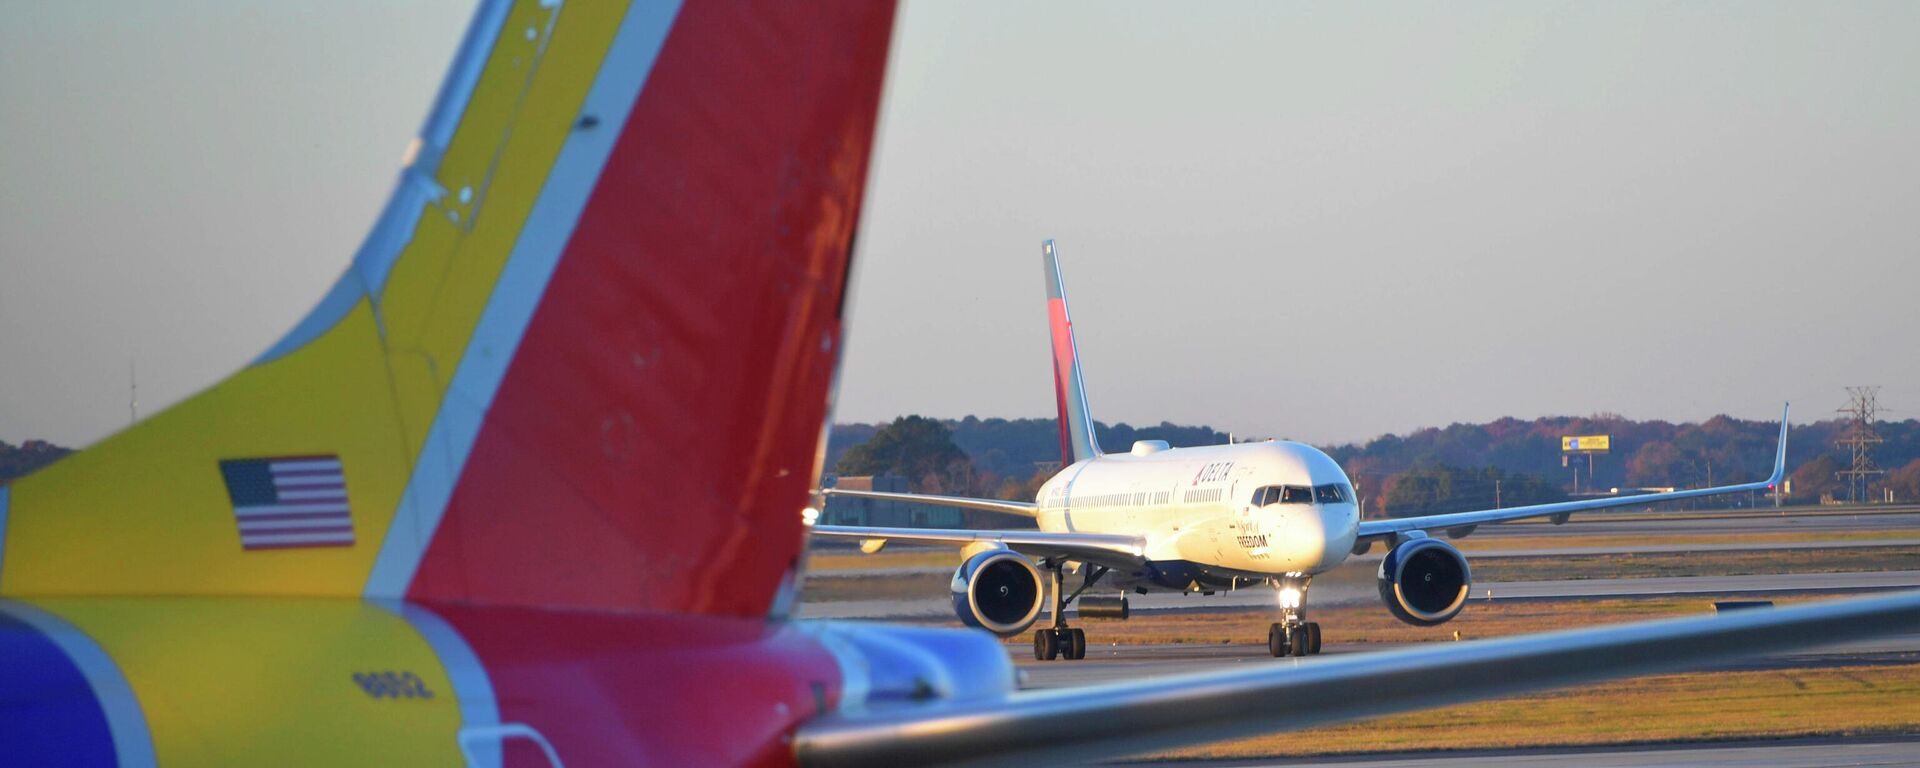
(1077, 442)
(581, 361)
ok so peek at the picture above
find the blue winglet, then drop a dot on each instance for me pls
(1780, 458)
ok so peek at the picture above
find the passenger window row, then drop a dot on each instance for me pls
(1141, 498)
(1195, 497)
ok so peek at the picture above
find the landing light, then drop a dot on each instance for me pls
(808, 515)
(1289, 597)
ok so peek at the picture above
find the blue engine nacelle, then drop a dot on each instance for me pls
(999, 591)
(1424, 581)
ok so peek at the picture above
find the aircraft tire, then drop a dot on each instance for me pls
(1298, 643)
(1046, 646)
(1076, 644)
(1276, 640)
(1313, 638)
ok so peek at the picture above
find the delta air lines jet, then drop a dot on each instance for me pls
(1266, 514)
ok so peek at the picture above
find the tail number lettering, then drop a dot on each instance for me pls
(392, 685)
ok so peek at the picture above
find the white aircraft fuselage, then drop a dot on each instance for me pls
(1217, 516)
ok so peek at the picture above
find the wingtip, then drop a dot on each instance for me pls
(1780, 452)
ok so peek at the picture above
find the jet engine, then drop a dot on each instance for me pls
(1424, 581)
(998, 590)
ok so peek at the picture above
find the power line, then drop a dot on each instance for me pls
(1863, 405)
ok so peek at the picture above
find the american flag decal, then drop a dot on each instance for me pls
(290, 501)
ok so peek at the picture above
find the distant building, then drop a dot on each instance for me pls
(841, 510)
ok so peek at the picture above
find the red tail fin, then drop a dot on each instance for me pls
(654, 439)
(1077, 442)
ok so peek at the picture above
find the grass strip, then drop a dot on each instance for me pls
(1704, 706)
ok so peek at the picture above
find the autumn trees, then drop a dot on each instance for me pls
(1459, 466)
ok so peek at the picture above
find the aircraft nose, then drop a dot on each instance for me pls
(1340, 526)
(1312, 535)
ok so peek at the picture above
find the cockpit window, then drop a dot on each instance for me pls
(1282, 494)
(1332, 493)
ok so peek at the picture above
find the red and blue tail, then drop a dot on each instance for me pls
(582, 360)
(1077, 442)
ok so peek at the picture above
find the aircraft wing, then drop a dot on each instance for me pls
(1376, 529)
(1021, 508)
(1111, 550)
(1088, 723)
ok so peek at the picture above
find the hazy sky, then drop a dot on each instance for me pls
(1322, 221)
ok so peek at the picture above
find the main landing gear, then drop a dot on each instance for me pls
(1059, 640)
(1293, 635)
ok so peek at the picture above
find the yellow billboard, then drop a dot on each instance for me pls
(1586, 444)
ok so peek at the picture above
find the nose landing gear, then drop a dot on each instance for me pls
(1301, 639)
(1293, 635)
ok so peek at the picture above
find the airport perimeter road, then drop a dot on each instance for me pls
(1798, 753)
(1344, 594)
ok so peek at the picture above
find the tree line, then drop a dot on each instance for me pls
(17, 461)
(1506, 462)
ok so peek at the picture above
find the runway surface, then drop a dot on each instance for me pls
(1352, 594)
(1797, 753)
